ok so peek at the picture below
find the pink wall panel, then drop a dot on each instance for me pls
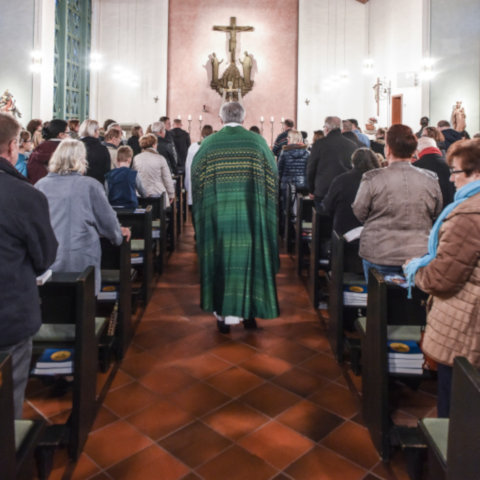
(272, 45)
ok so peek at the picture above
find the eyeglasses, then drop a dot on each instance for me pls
(454, 172)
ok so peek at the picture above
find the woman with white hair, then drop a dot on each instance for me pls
(97, 154)
(79, 211)
(430, 157)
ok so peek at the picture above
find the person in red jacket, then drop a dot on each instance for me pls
(53, 133)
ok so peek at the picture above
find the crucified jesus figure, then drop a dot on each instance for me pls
(232, 29)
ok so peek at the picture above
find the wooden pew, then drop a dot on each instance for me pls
(179, 202)
(116, 266)
(320, 247)
(303, 232)
(346, 271)
(68, 320)
(140, 223)
(290, 219)
(159, 229)
(453, 442)
(18, 438)
(390, 315)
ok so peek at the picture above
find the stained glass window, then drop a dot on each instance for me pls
(71, 84)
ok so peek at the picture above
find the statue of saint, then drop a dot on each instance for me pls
(247, 68)
(458, 117)
(7, 105)
(215, 64)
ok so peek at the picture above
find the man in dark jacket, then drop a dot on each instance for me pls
(347, 132)
(281, 140)
(330, 157)
(27, 248)
(430, 158)
(451, 135)
(181, 139)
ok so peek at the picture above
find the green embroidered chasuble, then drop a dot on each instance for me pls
(234, 185)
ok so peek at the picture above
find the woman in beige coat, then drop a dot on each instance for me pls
(450, 273)
(153, 169)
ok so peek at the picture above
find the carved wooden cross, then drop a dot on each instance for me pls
(232, 29)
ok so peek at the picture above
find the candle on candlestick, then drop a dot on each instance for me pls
(272, 119)
(283, 119)
(261, 119)
(189, 117)
(200, 117)
(179, 117)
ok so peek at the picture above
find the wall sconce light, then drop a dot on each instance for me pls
(427, 72)
(95, 61)
(36, 65)
(368, 65)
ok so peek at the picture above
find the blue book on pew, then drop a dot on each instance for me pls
(404, 348)
(108, 292)
(405, 357)
(355, 295)
(55, 361)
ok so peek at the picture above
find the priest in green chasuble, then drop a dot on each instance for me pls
(234, 186)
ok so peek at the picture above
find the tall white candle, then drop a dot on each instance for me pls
(261, 119)
(200, 117)
(271, 119)
(189, 117)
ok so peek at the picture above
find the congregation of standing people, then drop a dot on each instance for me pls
(416, 195)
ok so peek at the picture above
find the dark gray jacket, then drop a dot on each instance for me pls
(27, 248)
(330, 157)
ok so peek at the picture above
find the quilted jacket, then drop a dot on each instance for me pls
(453, 279)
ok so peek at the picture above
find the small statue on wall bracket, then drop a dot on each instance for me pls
(7, 104)
(232, 82)
(458, 119)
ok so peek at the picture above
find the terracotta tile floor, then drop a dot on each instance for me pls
(189, 403)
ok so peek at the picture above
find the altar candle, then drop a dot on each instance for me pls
(271, 119)
(200, 117)
(189, 117)
(261, 119)
(283, 119)
(179, 117)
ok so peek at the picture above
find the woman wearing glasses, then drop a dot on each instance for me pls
(450, 272)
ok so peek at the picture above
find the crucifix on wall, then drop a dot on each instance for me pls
(232, 82)
(232, 29)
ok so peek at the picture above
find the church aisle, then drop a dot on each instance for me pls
(190, 403)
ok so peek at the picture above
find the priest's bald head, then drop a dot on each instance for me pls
(232, 112)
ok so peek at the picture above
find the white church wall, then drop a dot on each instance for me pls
(332, 39)
(132, 39)
(16, 38)
(455, 45)
(397, 48)
(44, 42)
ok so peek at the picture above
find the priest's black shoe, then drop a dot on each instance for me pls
(223, 327)
(250, 324)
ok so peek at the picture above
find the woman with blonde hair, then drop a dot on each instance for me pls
(292, 168)
(153, 169)
(79, 211)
